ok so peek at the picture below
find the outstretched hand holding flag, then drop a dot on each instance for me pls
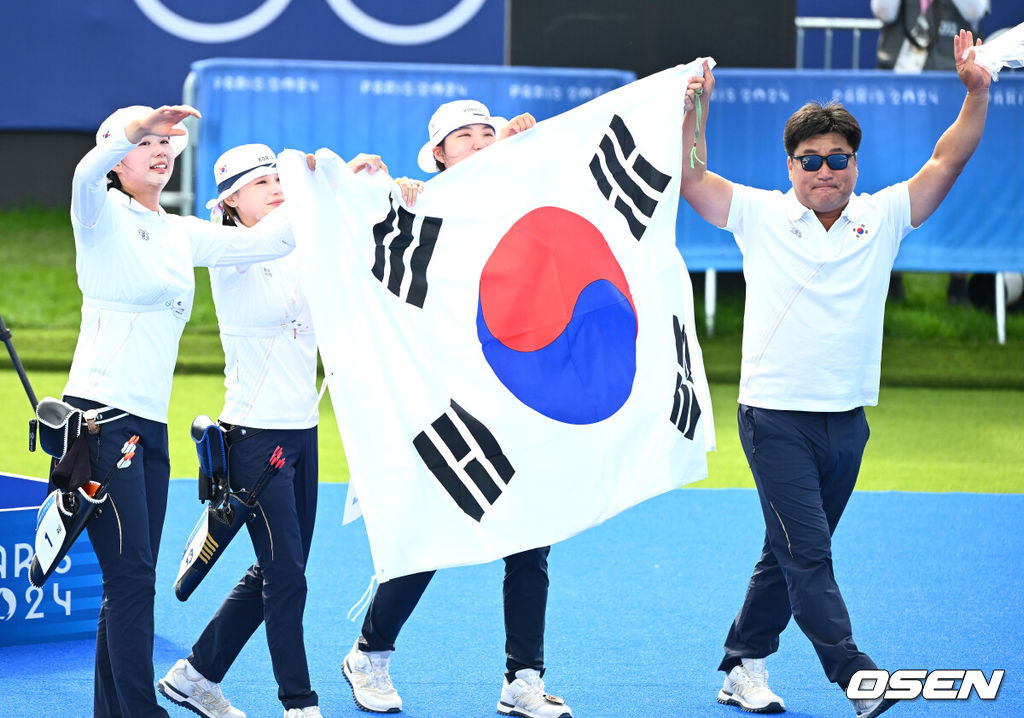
(1007, 50)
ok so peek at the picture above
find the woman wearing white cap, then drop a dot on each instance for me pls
(271, 400)
(134, 266)
(457, 131)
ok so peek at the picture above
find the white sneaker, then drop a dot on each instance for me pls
(186, 686)
(367, 673)
(871, 708)
(525, 697)
(307, 712)
(746, 686)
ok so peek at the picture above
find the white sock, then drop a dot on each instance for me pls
(191, 673)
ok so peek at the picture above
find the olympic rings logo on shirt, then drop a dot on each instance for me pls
(346, 10)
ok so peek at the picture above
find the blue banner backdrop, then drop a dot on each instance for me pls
(977, 229)
(384, 109)
(360, 107)
(69, 64)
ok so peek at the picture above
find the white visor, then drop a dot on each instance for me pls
(238, 167)
(450, 117)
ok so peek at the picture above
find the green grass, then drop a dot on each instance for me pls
(37, 270)
(192, 394)
(926, 343)
(922, 317)
(951, 413)
(922, 439)
(38, 278)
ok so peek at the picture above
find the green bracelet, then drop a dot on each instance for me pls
(696, 131)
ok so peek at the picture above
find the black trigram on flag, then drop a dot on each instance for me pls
(626, 178)
(402, 252)
(465, 458)
(685, 409)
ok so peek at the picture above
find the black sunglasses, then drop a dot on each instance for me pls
(838, 161)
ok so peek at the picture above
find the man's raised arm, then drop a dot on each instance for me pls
(932, 182)
(709, 194)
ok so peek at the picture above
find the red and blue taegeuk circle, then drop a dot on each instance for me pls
(556, 319)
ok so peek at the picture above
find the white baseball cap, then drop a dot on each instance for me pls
(119, 119)
(238, 167)
(449, 117)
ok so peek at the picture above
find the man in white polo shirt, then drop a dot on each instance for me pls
(816, 262)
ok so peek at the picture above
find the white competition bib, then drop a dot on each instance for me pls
(50, 531)
(197, 548)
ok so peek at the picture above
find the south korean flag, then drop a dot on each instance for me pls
(466, 460)
(626, 178)
(403, 245)
(513, 360)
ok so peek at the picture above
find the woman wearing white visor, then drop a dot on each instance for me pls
(271, 400)
(457, 131)
(134, 266)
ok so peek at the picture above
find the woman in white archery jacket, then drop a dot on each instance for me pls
(134, 266)
(271, 401)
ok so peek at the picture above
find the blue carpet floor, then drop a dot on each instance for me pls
(637, 613)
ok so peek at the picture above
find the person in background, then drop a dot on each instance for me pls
(816, 261)
(134, 265)
(270, 401)
(457, 131)
(918, 35)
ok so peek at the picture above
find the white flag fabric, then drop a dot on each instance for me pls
(512, 360)
(1006, 50)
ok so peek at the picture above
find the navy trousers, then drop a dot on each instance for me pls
(274, 588)
(525, 595)
(125, 535)
(805, 465)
